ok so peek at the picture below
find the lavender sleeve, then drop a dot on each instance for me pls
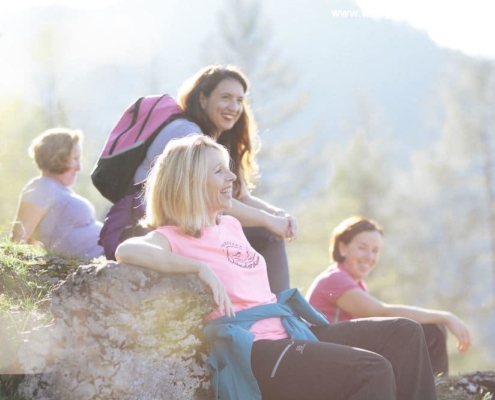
(174, 130)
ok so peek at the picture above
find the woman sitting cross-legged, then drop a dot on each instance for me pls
(262, 346)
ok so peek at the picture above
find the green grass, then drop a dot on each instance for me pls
(27, 276)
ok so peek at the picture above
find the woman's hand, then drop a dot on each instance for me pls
(153, 251)
(278, 225)
(460, 331)
(217, 290)
(292, 230)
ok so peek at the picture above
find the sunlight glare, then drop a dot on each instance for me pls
(467, 28)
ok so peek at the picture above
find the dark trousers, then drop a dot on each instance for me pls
(273, 251)
(436, 341)
(363, 359)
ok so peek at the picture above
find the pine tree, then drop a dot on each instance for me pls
(244, 40)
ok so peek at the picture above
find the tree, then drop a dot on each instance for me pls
(469, 135)
(47, 53)
(244, 41)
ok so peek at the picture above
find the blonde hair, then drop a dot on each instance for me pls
(175, 190)
(53, 148)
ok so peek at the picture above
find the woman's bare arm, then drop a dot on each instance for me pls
(27, 219)
(153, 251)
(362, 305)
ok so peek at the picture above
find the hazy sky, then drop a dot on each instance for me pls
(461, 25)
(464, 26)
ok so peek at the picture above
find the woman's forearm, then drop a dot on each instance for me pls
(260, 204)
(247, 215)
(154, 253)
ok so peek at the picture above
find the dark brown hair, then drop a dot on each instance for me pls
(347, 230)
(240, 139)
(53, 148)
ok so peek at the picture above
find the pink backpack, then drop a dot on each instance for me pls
(128, 143)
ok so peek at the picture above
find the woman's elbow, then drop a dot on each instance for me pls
(123, 254)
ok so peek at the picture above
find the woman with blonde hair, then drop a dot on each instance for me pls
(260, 344)
(50, 213)
(215, 103)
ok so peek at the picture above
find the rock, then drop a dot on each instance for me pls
(123, 332)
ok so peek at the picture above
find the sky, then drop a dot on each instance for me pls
(460, 25)
(464, 26)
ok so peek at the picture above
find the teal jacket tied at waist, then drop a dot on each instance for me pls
(231, 342)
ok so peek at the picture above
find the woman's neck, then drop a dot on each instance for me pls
(53, 176)
(213, 220)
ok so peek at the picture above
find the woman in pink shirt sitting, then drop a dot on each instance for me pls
(189, 188)
(340, 292)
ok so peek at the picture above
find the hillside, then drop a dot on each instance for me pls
(27, 274)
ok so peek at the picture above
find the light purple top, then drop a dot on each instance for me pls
(176, 129)
(69, 226)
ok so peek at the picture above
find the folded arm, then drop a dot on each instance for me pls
(252, 211)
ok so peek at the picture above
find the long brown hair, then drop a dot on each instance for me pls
(240, 140)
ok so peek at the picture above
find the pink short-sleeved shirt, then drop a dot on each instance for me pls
(242, 270)
(328, 287)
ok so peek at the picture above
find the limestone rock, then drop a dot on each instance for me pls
(123, 332)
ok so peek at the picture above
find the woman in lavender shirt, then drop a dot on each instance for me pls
(50, 213)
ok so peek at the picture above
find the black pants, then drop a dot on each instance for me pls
(273, 251)
(363, 359)
(436, 341)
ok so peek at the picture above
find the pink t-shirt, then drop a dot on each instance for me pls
(242, 270)
(328, 287)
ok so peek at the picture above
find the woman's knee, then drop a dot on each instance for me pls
(376, 378)
(409, 325)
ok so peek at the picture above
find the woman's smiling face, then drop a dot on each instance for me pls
(224, 105)
(219, 182)
(361, 253)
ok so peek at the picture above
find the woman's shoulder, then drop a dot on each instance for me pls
(334, 274)
(182, 126)
(230, 221)
(176, 129)
(44, 185)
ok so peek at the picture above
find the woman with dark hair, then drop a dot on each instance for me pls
(340, 292)
(214, 103)
(50, 213)
(260, 344)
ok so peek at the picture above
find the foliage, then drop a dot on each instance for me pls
(27, 276)
(244, 39)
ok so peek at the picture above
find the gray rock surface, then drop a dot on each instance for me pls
(123, 332)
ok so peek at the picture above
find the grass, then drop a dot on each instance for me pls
(27, 276)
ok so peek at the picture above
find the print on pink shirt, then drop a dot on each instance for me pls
(240, 256)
